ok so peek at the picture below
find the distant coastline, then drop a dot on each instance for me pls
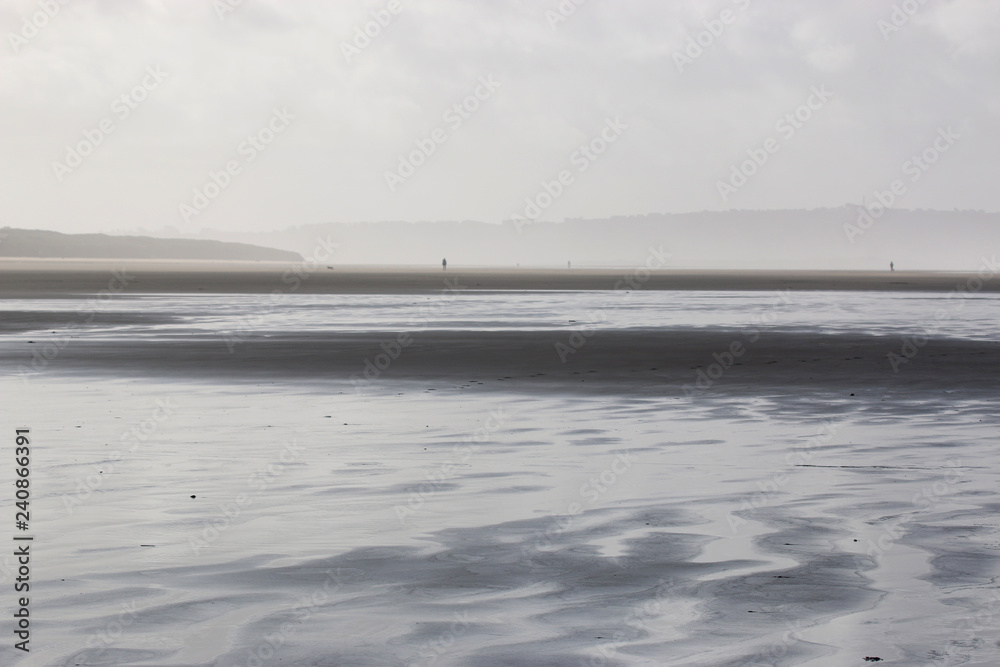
(39, 243)
(52, 277)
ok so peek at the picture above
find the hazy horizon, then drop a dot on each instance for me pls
(279, 115)
(563, 332)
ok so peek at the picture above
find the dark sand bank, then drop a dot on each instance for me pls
(40, 278)
(608, 360)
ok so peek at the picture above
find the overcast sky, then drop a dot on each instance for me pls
(332, 111)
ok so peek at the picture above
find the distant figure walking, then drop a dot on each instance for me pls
(567, 265)
(892, 267)
(444, 264)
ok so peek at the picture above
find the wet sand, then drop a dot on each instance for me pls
(675, 363)
(479, 501)
(40, 278)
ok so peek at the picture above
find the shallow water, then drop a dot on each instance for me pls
(971, 316)
(420, 522)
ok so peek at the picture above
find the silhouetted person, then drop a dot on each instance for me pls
(892, 267)
(567, 265)
(444, 264)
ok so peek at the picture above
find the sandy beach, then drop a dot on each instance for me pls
(699, 477)
(41, 277)
(500, 334)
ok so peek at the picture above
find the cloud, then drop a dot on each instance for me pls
(354, 117)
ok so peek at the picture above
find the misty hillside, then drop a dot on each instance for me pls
(38, 243)
(789, 239)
